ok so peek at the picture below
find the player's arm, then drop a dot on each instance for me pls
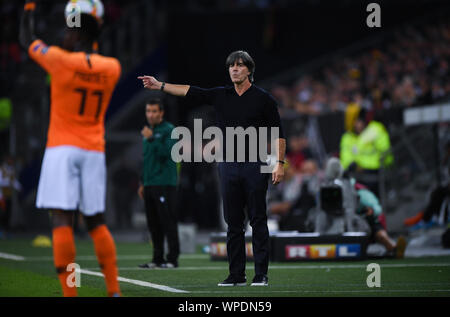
(151, 83)
(281, 149)
(48, 57)
(26, 35)
(273, 120)
(197, 94)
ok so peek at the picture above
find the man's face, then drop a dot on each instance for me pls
(359, 126)
(238, 72)
(153, 114)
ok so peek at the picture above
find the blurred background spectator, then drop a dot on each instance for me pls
(8, 185)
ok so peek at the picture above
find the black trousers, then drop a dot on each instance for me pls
(162, 221)
(243, 185)
(434, 205)
(5, 215)
(370, 178)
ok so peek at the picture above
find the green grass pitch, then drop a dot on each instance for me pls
(33, 275)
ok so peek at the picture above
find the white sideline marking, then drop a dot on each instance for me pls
(119, 257)
(201, 256)
(337, 291)
(356, 266)
(13, 257)
(292, 267)
(137, 282)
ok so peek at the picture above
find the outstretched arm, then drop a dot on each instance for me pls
(151, 83)
(26, 35)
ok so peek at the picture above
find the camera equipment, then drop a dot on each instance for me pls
(331, 199)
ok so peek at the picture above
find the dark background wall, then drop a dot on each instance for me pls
(277, 38)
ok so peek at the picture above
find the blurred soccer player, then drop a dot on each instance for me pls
(73, 173)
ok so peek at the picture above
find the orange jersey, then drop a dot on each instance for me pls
(81, 88)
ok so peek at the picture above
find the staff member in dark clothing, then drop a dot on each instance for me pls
(158, 186)
(242, 183)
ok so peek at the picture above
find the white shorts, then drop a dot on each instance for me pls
(72, 178)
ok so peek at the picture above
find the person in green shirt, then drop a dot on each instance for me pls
(158, 186)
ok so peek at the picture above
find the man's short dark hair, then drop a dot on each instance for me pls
(246, 59)
(156, 101)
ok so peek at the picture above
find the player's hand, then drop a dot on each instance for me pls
(150, 82)
(141, 191)
(146, 132)
(278, 174)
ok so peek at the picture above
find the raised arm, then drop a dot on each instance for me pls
(151, 83)
(26, 35)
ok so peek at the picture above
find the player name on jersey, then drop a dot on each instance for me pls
(98, 78)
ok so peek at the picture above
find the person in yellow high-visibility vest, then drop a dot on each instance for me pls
(366, 145)
(373, 153)
(373, 147)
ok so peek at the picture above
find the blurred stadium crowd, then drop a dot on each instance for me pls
(410, 67)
